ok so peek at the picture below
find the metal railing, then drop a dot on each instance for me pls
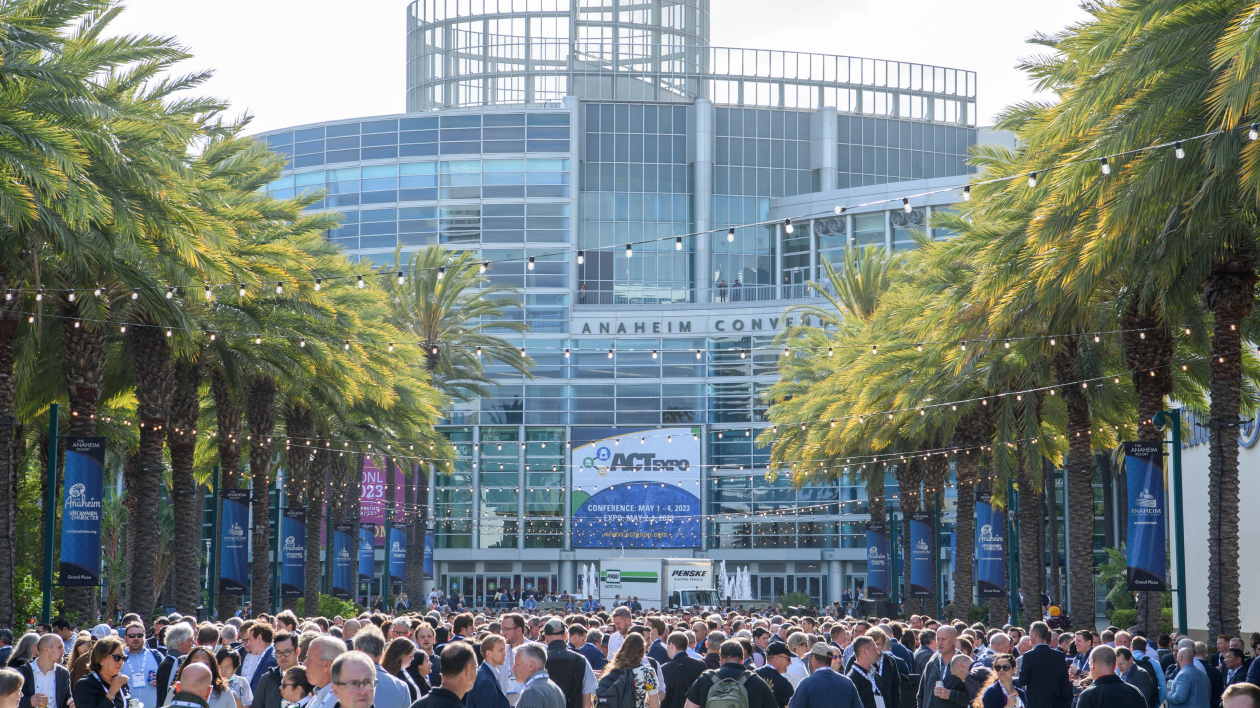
(454, 68)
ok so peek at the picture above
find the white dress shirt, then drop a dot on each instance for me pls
(46, 683)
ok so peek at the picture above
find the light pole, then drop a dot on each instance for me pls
(1172, 419)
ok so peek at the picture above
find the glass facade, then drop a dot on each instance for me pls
(567, 130)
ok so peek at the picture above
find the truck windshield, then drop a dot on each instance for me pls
(704, 598)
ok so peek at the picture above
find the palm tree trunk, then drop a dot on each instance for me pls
(1030, 564)
(936, 474)
(151, 353)
(1080, 488)
(1230, 294)
(969, 435)
(181, 437)
(8, 458)
(909, 475)
(261, 416)
(1148, 353)
(83, 365)
(227, 406)
(318, 488)
(299, 426)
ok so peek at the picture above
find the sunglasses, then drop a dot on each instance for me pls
(117, 657)
(135, 636)
(1003, 667)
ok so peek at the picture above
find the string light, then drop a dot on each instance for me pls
(530, 265)
(629, 251)
(581, 258)
(905, 204)
(1254, 132)
(730, 235)
(678, 243)
(135, 294)
(1178, 150)
(966, 194)
(1105, 167)
(787, 226)
(1032, 180)
(359, 282)
(401, 278)
(319, 283)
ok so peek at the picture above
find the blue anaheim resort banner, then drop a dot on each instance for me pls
(81, 511)
(922, 584)
(429, 543)
(990, 548)
(343, 583)
(876, 561)
(367, 552)
(398, 554)
(1146, 554)
(293, 553)
(234, 553)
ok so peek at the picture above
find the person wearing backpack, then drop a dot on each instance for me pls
(731, 685)
(627, 681)
(825, 688)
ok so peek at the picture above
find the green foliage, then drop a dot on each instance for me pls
(330, 607)
(28, 600)
(1122, 618)
(1114, 574)
(793, 599)
(977, 613)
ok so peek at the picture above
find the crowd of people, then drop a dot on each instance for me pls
(627, 657)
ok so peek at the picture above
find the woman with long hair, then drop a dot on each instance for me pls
(104, 686)
(222, 696)
(10, 688)
(24, 652)
(630, 658)
(398, 656)
(1000, 690)
(419, 672)
(82, 645)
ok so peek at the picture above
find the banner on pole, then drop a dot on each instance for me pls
(428, 555)
(990, 548)
(367, 552)
(877, 582)
(398, 554)
(921, 580)
(1146, 554)
(233, 544)
(81, 511)
(293, 553)
(343, 579)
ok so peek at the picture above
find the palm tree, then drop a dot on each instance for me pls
(187, 495)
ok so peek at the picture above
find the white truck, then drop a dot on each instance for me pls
(658, 582)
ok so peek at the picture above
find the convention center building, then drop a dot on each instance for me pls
(597, 153)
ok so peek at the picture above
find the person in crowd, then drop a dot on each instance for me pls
(222, 696)
(621, 622)
(798, 643)
(927, 647)
(459, 666)
(1235, 666)
(863, 675)
(578, 635)
(354, 680)
(24, 652)
(1216, 680)
(1136, 676)
(320, 656)
(295, 687)
(513, 626)
(732, 654)
(6, 645)
(105, 686)
(681, 670)
(938, 686)
(486, 691)
(390, 691)
(1043, 673)
(258, 653)
(426, 641)
(229, 663)
(774, 673)
(46, 683)
(825, 687)
(529, 668)
(1190, 687)
(399, 654)
(77, 658)
(1241, 695)
(419, 672)
(179, 643)
(195, 687)
(566, 668)
(1000, 691)
(1149, 660)
(1108, 690)
(141, 665)
(888, 668)
(268, 693)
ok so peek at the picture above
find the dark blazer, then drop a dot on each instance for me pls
(921, 656)
(1110, 692)
(267, 694)
(486, 692)
(165, 677)
(1139, 678)
(89, 692)
(1240, 676)
(865, 691)
(267, 661)
(1044, 677)
(28, 685)
(658, 651)
(679, 673)
(1217, 681)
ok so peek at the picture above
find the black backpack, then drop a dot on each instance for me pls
(616, 690)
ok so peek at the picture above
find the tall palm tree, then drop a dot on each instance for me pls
(187, 495)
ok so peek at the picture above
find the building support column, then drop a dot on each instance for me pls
(476, 491)
(822, 147)
(702, 180)
(568, 576)
(835, 580)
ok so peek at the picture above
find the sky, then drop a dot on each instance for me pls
(291, 62)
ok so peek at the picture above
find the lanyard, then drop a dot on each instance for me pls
(144, 659)
(868, 677)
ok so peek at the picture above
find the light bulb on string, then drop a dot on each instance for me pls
(787, 226)
(629, 251)
(302, 343)
(678, 243)
(905, 204)
(135, 294)
(347, 345)
(966, 195)
(742, 354)
(581, 259)
(1105, 166)
(401, 278)
(530, 265)
(1178, 150)
(839, 210)
(1254, 132)
(1032, 180)
(391, 347)
(654, 354)
(730, 235)
(358, 282)
(319, 283)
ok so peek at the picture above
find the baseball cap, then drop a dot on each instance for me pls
(553, 626)
(101, 631)
(823, 651)
(777, 648)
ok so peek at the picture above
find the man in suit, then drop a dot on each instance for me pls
(1235, 669)
(1136, 676)
(179, 641)
(1216, 680)
(257, 653)
(1190, 687)
(486, 691)
(824, 687)
(268, 693)
(680, 671)
(656, 648)
(1107, 689)
(927, 647)
(45, 682)
(1043, 673)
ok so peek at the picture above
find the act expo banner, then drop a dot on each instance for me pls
(922, 584)
(81, 511)
(372, 495)
(398, 554)
(877, 583)
(233, 546)
(367, 551)
(990, 549)
(637, 489)
(1146, 555)
(293, 553)
(343, 582)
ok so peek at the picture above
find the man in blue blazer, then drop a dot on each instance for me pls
(257, 653)
(824, 687)
(486, 691)
(1190, 687)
